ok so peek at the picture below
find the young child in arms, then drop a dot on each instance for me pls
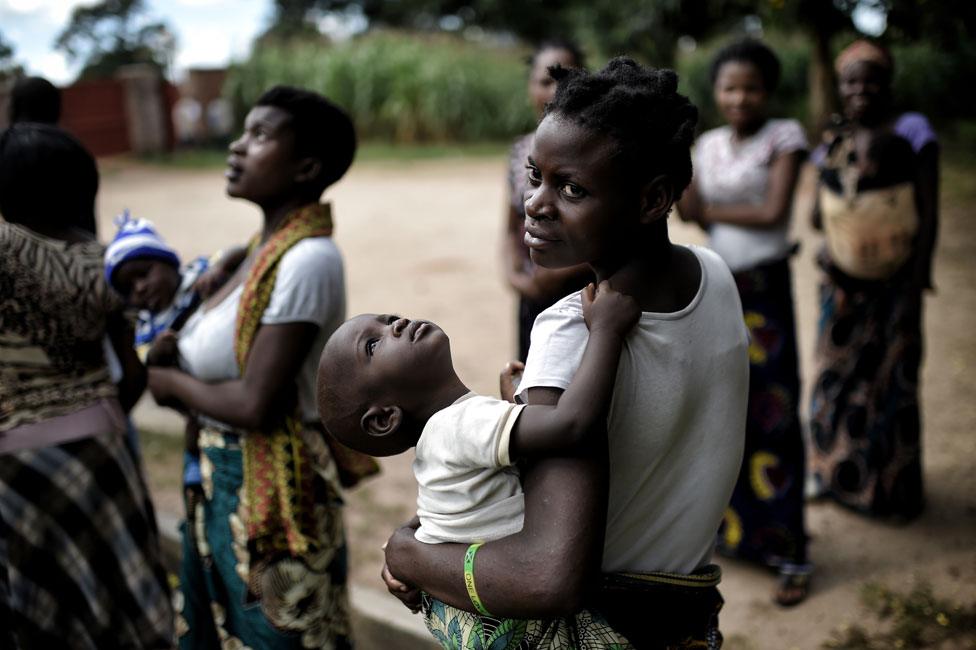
(386, 384)
(147, 273)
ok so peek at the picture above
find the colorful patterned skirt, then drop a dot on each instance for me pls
(79, 556)
(764, 520)
(302, 601)
(657, 611)
(865, 423)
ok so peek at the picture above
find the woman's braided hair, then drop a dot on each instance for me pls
(638, 107)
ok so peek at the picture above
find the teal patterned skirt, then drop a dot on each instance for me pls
(303, 603)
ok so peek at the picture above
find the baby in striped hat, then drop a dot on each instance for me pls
(141, 267)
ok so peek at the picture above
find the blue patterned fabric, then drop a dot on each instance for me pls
(150, 324)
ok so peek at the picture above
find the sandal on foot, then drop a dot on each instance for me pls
(794, 584)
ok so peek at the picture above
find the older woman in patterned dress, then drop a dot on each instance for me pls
(79, 557)
(865, 420)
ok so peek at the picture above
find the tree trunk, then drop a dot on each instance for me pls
(822, 82)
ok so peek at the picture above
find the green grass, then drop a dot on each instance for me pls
(401, 87)
(369, 152)
(156, 444)
(385, 152)
(162, 455)
(914, 620)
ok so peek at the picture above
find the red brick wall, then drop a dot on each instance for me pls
(94, 112)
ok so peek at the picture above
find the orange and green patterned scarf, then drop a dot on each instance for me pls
(278, 474)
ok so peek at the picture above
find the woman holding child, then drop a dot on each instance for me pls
(608, 160)
(80, 565)
(264, 560)
(878, 205)
(745, 176)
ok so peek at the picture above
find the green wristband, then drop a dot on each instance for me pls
(469, 579)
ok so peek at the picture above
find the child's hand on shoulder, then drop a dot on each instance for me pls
(210, 281)
(164, 350)
(609, 310)
(509, 379)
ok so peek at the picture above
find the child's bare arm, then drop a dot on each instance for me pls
(217, 275)
(540, 430)
(164, 351)
(232, 258)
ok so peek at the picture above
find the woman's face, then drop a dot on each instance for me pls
(741, 95)
(578, 208)
(864, 91)
(542, 87)
(262, 165)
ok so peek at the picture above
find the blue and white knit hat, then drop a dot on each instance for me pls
(136, 239)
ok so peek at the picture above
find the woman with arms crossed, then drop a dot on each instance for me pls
(742, 193)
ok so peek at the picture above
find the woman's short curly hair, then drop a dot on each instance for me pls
(640, 108)
(749, 50)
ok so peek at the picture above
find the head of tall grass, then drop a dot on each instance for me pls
(400, 87)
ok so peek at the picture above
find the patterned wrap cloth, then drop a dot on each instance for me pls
(656, 611)
(764, 520)
(277, 474)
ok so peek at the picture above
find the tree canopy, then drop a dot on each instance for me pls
(113, 33)
(8, 66)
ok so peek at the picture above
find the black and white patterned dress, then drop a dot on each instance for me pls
(79, 555)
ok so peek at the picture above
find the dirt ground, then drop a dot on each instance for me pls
(421, 238)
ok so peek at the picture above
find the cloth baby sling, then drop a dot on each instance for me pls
(279, 477)
(870, 234)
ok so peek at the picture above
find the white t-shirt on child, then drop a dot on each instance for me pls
(468, 489)
(676, 425)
